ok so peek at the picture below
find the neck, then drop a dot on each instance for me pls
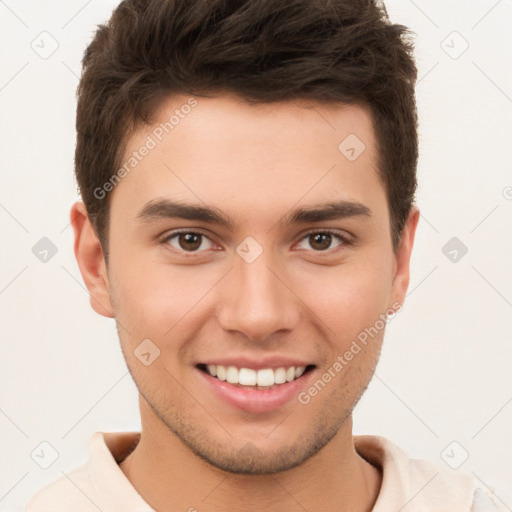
(169, 476)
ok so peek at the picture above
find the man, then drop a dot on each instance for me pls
(248, 171)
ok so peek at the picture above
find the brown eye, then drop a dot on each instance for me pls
(323, 241)
(188, 241)
(320, 241)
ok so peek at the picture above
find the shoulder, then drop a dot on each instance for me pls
(71, 491)
(421, 485)
(484, 500)
(461, 490)
(99, 484)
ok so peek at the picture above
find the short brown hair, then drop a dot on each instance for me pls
(341, 51)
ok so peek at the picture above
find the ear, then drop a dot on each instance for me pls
(403, 258)
(90, 259)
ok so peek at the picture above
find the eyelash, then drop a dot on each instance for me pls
(345, 241)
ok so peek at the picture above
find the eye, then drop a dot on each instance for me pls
(189, 241)
(322, 240)
(195, 242)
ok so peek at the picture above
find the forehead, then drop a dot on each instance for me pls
(232, 154)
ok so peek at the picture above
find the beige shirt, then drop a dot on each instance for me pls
(408, 485)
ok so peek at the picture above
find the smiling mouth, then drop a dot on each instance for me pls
(249, 378)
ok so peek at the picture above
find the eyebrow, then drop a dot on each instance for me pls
(166, 209)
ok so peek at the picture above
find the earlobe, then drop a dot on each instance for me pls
(403, 257)
(91, 261)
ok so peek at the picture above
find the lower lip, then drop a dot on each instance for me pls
(257, 400)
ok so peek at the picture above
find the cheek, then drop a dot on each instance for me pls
(157, 301)
(350, 298)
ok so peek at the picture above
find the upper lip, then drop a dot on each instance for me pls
(257, 363)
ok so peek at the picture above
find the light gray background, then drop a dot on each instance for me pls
(445, 373)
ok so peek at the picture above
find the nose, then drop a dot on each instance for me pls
(257, 300)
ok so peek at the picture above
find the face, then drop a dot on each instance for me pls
(247, 248)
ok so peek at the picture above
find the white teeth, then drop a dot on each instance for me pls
(221, 372)
(232, 375)
(266, 377)
(249, 377)
(280, 376)
(299, 371)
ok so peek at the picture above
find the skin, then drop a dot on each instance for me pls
(255, 164)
